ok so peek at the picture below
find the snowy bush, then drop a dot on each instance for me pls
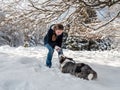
(11, 36)
(80, 43)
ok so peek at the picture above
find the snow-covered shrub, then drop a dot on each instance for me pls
(30, 40)
(79, 43)
(11, 36)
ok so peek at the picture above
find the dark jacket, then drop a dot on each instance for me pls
(48, 39)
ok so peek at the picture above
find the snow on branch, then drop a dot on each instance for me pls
(32, 15)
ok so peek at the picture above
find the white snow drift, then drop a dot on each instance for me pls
(24, 69)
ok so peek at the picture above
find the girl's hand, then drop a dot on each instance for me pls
(57, 48)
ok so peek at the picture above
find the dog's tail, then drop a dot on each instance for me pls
(92, 75)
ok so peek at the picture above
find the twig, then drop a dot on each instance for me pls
(108, 21)
(103, 24)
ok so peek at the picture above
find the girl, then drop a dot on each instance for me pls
(53, 39)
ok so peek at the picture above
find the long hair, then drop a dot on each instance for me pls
(56, 27)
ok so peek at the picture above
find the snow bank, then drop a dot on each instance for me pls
(24, 69)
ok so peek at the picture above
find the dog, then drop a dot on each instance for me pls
(81, 70)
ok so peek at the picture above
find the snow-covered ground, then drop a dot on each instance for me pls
(24, 69)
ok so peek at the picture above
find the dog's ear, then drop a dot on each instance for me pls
(62, 59)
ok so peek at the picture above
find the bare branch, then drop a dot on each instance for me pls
(103, 24)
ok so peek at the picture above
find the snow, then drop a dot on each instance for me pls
(24, 69)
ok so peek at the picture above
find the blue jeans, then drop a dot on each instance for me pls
(50, 55)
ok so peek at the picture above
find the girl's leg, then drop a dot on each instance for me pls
(49, 55)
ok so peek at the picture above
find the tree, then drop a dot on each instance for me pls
(32, 16)
(2, 16)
